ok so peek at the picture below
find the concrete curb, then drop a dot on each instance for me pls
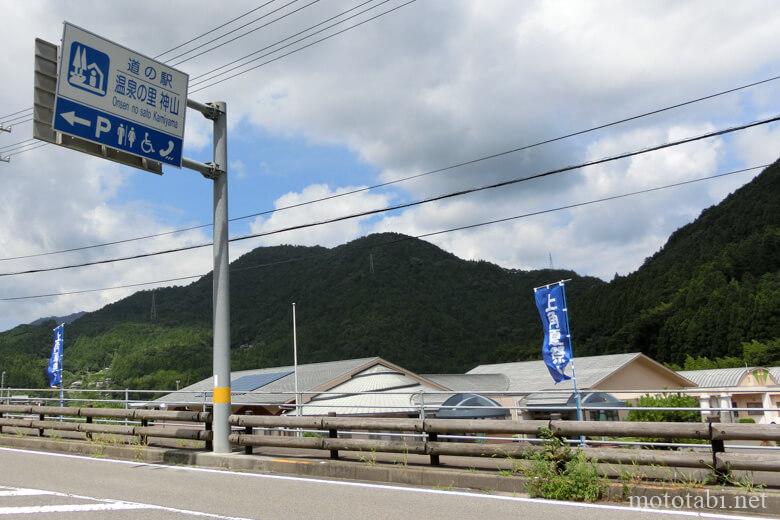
(654, 496)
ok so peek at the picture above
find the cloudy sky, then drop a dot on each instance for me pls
(433, 83)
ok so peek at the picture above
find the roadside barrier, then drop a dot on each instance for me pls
(508, 437)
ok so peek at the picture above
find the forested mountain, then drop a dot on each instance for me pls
(714, 286)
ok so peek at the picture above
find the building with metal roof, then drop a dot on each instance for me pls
(348, 387)
(609, 372)
(621, 375)
(753, 392)
(471, 382)
(730, 377)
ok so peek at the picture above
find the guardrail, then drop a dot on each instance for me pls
(22, 420)
(712, 455)
(430, 437)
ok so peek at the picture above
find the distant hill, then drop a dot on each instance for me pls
(67, 320)
(712, 287)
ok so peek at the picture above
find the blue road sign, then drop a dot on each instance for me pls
(115, 132)
(116, 97)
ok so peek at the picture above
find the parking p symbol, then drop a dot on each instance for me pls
(102, 126)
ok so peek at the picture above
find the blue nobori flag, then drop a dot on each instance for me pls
(54, 370)
(556, 349)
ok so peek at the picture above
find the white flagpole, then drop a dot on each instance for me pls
(295, 363)
(577, 398)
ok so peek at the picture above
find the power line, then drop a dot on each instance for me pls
(23, 147)
(15, 144)
(414, 203)
(14, 113)
(215, 29)
(18, 120)
(304, 47)
(206, 80)
(246, 33)
(423, 235)
(415, 176)
(29, 149)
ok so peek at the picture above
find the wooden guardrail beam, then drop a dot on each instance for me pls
(748, 462)
(666, 430)
(484, 426)
(749, 432)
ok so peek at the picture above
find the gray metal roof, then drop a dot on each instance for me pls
(310, 377)
(722, 377)
(533, 375)
(471, 382)
(399, 391)
(775, 373)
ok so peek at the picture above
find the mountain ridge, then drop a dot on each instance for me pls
(713, 287)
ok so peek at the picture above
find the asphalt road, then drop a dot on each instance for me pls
(72, 487)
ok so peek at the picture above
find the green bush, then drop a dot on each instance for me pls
(558, 472)
(747, 420)
(666, 401)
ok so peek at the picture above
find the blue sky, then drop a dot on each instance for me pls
(431, 84)
(262, 166)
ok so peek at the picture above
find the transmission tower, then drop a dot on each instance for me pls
(154, 308)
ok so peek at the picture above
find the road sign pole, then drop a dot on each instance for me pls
(221, 295)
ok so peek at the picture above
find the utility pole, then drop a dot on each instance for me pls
(221, 287)
(217, 172)
(2, 384)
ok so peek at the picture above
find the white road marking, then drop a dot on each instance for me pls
(388, 487)
(103, 504)
(22, 492)
(68, 508)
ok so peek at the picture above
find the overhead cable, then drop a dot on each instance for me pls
(403, 239)
(458, 193)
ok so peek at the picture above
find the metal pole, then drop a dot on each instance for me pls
(221, 288)
(2, 384)
(577, 399)
(62, 371)
(295, 364)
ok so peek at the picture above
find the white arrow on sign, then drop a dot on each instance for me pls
(72, 119)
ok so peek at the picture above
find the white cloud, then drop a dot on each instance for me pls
(432, 84)
(330, 235)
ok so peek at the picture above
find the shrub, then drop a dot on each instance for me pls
(666, 401)
(747, 420)
(558, 472)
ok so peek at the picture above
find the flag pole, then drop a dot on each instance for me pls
(577, 398)
(295, 363)
(62, 372)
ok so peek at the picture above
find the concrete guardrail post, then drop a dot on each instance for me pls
(249, 430)
(208, 427)
(433, 437)
(144, 439)
(718, 446)
(333, 434)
